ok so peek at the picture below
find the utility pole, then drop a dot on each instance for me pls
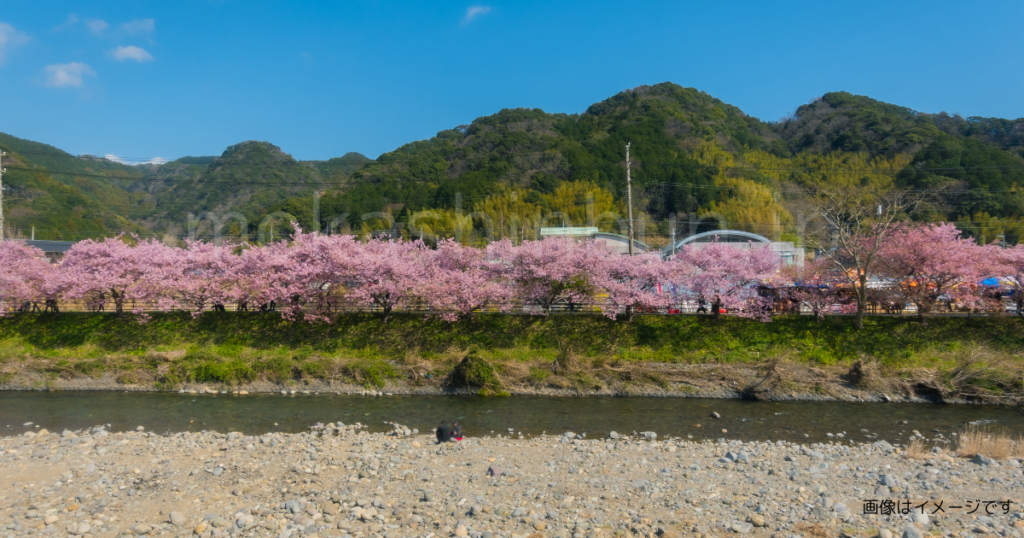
(2, 170)
(629, 200)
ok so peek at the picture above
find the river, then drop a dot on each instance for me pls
(256, 414)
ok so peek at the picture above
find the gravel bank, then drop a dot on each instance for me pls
(343, 481)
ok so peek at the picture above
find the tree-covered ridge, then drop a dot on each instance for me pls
(250, 179)
(88, 198)
(693, 156)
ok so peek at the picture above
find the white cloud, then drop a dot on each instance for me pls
(131, 52)
(97, 26)
(71, 21)
(473, 12)
(10, 37)
(67, 75)
(138, 26)
(123, 160)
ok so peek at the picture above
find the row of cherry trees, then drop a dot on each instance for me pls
(314, 276)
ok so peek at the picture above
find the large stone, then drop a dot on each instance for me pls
(142, 529)
(494, 471)
(982, 460)
(757, 520)
(740, 527)
(912, 532)
(176, 518)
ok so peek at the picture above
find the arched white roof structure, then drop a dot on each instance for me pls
(723, 236)
(788, 252)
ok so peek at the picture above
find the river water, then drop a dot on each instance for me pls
(257, 414)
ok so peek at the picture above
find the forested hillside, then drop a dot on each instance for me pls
(517, 170)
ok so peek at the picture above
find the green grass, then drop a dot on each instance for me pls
(233, 348)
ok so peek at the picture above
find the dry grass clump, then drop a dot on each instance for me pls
(917, 450)
(865, 374)
(772, 373)
(994, 444)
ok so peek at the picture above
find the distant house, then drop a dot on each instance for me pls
(54, 250)
(789, 252)
(618, 244)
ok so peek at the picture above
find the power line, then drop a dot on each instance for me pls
(405, 181)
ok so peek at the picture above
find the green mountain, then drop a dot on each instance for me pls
(89, 198)
(518, 169)
(247, 179)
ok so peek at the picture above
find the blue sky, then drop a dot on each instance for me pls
(144, 79)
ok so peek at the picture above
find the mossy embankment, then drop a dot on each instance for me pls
(950, 358)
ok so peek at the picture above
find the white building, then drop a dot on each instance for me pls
(618, 244)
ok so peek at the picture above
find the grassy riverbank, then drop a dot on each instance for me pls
(580, 352)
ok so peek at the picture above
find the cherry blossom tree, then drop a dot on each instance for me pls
(850, 224)
(544, 272)
(24, 271)
(728, 276)
(387, 272)
(818, 285)
(320, 267)
(96, 270)
(199, 276)
(458, 280)
(261, 277)
(635, 282)
(932, 262)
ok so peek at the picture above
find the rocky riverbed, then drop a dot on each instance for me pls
(340, 481)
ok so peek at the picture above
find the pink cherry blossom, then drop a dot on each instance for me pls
(23, 274)
(458, 280)
(551, 270)
(727, 277)
(111, 269)
(635, 282)
(386, 273)
(199, 277)
(932, 262)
